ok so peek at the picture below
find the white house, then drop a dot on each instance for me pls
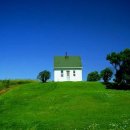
(67, 68)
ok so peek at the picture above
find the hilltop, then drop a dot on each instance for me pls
(64, 106)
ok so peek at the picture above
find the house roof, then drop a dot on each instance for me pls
(67, 62)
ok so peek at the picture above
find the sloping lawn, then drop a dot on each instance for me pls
(64, 106)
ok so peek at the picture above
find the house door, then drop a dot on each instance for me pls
(68, 75)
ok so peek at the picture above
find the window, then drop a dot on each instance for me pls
(74, 73)
(61, 73)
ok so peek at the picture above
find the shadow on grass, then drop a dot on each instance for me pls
(117, 86)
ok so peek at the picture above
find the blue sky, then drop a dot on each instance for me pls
(32, 32)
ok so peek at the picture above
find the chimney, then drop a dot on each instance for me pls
(66, 56)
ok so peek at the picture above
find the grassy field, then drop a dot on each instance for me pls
(64, 106)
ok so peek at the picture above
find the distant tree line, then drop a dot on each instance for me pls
(105, 75)
(121, 64)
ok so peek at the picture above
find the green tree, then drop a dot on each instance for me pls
(121, 63)
(106, 74)
(44, 76)
(93, 76)
(125, 66)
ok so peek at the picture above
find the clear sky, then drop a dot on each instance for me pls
(32, 32)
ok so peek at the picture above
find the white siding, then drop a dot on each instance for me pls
(77, 77)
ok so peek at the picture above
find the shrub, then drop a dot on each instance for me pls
(6, 83)
(93, 76)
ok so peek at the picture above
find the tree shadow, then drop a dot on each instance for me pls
(116, 86)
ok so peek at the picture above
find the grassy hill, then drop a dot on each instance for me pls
(64, 106)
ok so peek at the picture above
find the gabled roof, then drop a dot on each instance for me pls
(67, 62)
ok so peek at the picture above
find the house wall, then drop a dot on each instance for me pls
(77, 77)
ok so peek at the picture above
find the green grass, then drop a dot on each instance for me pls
(64, 106)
